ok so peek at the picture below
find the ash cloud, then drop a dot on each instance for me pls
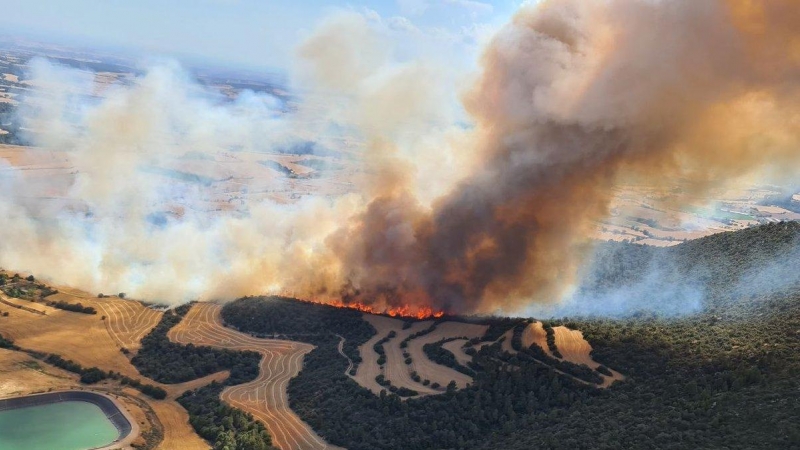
(571, 96)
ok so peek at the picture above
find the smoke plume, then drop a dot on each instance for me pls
(571, 97)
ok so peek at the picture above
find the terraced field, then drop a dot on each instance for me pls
(436, 373)
(128, 321)
(397, 372)
(265, 397)
(369, 368)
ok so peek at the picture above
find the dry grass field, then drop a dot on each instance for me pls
(575, 349)
(86, 340)
(369, 368)
(178, 433)
(437, 373)
(535, 334)
(82, 338)
(21, 374)
(264, 397)
(127, 321)
(396, 370)
(506, 344)
(456, 347)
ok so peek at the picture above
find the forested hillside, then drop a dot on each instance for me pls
(724, 376)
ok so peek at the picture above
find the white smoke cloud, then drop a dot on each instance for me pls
(136, 213)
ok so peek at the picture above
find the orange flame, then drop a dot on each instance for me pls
(420, 312)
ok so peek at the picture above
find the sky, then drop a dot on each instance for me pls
(248, 33)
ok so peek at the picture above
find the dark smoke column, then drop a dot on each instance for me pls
(573, 95)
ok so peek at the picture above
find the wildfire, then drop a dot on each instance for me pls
(416, 312)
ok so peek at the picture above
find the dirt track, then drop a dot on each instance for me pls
(340, 348)
(264, 397)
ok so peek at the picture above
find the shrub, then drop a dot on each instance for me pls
(93, 375)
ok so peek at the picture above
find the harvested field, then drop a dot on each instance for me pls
(127, 321)
(574, 348)
(506, 345)
(20, 374)
(82, 338)
(85, 339)
(534, 334)
(369, 369)
(178, 433)
(175, 390)
(396, 370)
(456, 347)
(437, 373)
(265, 397)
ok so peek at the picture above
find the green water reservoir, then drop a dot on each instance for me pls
(67, 425)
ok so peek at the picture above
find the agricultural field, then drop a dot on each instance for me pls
(302, 370)
(265, 397)
(86, 340)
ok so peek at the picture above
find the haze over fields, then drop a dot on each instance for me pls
(374, 173)
(416, 225)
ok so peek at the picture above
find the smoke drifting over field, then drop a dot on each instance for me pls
(571, 96)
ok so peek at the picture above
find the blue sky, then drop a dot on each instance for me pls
(250, 33)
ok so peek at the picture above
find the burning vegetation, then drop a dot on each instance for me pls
(572, 97)
(421, 312)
